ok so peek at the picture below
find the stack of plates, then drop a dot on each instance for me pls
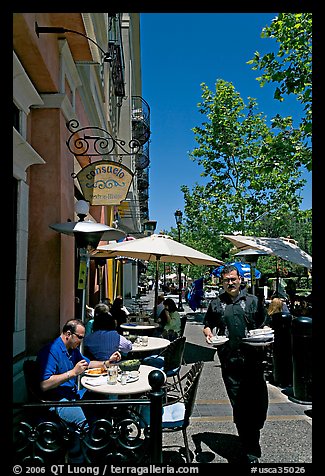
(218, 340)
(260, 337)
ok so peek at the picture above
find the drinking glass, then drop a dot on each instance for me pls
(144, 341)
(112, 373)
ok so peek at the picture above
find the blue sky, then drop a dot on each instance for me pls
(179, 51)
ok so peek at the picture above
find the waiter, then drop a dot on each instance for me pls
(233, 313)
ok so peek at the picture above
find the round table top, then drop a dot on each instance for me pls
(175, 297)
(99, 384)
(154, 343)
(133, 326)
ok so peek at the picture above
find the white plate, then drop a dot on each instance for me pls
(259, 337)
(258, 342)
(94, 375)
(218, 340)
(259, 332)
(129, 379)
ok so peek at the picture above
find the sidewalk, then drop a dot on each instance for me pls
(287, 433)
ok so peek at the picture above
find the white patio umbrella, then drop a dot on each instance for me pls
(158, 248)
(282, 247)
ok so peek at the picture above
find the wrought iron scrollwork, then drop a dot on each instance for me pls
(121, 436)
(41, 441)
(95, 142)
(115, 431)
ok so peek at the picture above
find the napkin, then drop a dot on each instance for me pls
(95, 382)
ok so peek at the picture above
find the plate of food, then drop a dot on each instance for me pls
(218, 340)
(96, 372)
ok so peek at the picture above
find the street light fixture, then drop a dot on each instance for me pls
(87, 235)
(179, 217)
(60, 30)
(149, 227)
(251, 256)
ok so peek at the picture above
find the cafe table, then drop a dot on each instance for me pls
(154, 344)
(99, 384)
(175, 297)
(139, 328)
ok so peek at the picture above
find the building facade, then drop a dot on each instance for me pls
(72, 73)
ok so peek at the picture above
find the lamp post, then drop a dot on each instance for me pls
(178, 217)
(149, 227)
(251, 256)
(87, 235)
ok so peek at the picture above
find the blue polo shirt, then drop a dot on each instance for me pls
(55, 359)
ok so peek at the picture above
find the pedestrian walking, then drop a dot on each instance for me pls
(233, 313)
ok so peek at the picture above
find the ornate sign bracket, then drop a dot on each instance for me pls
(96, 142)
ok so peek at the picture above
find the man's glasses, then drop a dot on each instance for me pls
(78, 335)
(229, 280)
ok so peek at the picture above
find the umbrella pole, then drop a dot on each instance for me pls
(156, 289)
(118, 268)
(84, 261)
(253, 278)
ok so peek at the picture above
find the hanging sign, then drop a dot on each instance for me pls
(104, 182)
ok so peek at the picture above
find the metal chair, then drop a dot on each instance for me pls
(170, 361)
(31, 375)
(183, 324)
(39, 418)
(176, 415)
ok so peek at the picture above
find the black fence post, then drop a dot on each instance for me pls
(282, 349)
(302, 359)
(156, 379)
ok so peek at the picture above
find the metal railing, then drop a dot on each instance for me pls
(119, 434)
(140, 119)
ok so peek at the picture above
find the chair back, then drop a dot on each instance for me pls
(31, 374)
(190, 389)
(183, 324)
(173, 354)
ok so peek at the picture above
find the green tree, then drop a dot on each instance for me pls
(251, 167)
(290, 67)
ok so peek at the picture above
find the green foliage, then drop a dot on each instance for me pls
(290, 67)
(254, 171)
(254, 181)
(252, 167)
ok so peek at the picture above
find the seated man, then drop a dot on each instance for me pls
(60, 364)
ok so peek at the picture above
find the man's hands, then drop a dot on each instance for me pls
(208, 334)
(115, 357)
(79, 368)
(57, 379)
(97, 363)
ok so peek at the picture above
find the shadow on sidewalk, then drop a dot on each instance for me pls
(196, 317)
(194, 353)
(225, 445)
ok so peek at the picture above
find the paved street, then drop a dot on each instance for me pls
(286, 436)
